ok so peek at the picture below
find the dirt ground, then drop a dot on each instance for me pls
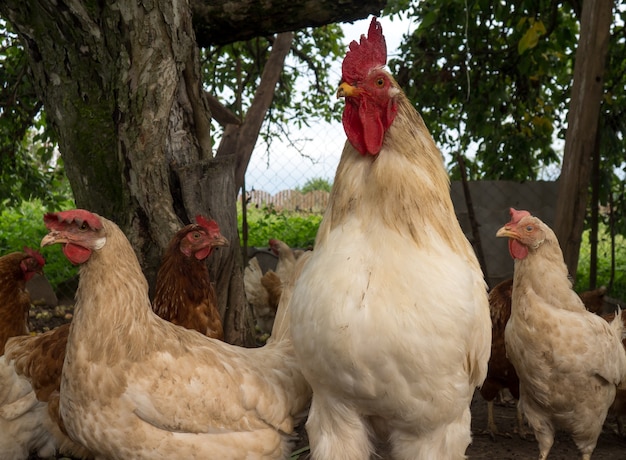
(610, 445)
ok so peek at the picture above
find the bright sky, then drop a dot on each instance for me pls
(287, 168)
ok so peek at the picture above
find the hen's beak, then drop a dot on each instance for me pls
(506, 232)
(347, 90)
(51, 238)
(220, 241)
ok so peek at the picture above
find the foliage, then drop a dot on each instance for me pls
(29, 167)
(315, 183)
(618, 287)
(23, 226)
(504, 71)
(297, 229)
(233, 72)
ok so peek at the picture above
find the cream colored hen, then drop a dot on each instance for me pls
(569, 360)
(286, 258)
(25, 426)
(135, 386)
(184, 296)
(258, 296)
(390, 317)
(263, 290)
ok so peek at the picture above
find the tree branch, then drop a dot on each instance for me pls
(220, 113)
(240, 140)
(218, 22)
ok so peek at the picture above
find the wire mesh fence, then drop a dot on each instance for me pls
(275, 183)
(275, 180)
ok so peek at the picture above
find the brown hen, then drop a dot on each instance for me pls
(184, 293)
(16, 269)
(500, 372)
(618, 408)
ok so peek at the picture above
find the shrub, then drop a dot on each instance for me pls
(297, 229)
(23, 226)
(618, 289)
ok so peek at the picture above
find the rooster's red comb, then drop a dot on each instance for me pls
(57, 220)
(516, 215)
(209, 225)
(35, 255)
(370, 52)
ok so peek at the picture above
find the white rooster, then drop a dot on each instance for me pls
(390, 317)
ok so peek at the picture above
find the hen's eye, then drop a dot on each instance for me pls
(84, 226)
(529, 228)
(196, 235)
(380, 82)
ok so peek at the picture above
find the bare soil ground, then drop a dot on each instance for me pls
(610, 446)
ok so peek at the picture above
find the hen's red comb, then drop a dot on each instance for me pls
(56, 220)
(35, 255)
(516, 215)
(209, 225)
(370, 52)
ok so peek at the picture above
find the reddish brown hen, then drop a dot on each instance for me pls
(618, 408)
(594, 300)
(500, 372)
(184, 293)
(16, 269)
(39, 360)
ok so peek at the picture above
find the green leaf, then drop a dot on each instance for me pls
(531, 37)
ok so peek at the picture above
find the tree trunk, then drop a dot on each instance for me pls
(582, 127)
(121, 84)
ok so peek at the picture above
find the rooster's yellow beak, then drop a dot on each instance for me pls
(347, 90)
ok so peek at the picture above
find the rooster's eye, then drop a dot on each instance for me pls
(380, 82)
